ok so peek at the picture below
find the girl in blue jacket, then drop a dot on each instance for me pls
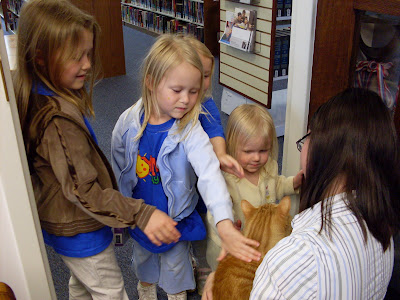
(160, 153)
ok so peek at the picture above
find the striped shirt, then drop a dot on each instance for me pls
(309, 265)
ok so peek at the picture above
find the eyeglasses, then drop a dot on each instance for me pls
(300, 142)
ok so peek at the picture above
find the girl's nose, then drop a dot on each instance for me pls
(86, 64)
(185, 98)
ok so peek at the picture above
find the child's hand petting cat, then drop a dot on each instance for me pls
(207, 291)
(298, 179)
(236, 244)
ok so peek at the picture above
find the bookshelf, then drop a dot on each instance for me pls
(196, 17)
(10, 13)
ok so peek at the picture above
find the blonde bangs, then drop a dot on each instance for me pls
(167, 52)
(247, 121)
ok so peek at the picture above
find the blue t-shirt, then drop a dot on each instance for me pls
(80, 245)
(211, 120)
(149, 188)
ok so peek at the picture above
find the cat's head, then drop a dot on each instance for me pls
(267, 224)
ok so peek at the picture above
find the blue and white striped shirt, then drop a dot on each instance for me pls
(309, 265)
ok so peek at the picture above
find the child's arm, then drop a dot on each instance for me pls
(214, 192)
(235, 243)
(227, 162)
(211, 123)
(284, 186)
(298, 179)
(161, 229)
(66, 148)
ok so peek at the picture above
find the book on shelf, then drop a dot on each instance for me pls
(246, 1)
(240, 28)
(287, 8)
(277, 55)
(157, 23)
(281, 53)
(279, 7)
(189, 11)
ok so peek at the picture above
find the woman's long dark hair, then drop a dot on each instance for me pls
(353, 141)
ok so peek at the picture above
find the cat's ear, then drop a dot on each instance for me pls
(284, 206)
(247, 208)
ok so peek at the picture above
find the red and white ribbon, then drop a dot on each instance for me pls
(366, 70)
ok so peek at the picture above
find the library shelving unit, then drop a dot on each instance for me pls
(10, 13)
(197, 17)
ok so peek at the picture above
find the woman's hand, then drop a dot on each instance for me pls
(236, 244)
(207, 291)
(161, 229)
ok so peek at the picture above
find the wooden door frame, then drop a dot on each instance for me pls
(334, 52)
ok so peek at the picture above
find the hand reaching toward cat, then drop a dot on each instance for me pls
(207, 291)
(236, 244)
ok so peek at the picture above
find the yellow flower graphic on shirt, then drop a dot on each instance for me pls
(142, 167)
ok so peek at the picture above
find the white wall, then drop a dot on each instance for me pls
(23, 260)
(299, 84)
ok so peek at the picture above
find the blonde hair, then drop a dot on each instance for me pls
(169, 51)
(49, 34)
(247, 121)
(202, 50)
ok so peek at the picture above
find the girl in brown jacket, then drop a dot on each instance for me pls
(75, 190)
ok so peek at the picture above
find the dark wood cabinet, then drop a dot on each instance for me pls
(108, 15)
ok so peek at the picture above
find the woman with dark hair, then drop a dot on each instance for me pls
(341, 246)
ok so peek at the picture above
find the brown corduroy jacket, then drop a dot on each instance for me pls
(74, 186)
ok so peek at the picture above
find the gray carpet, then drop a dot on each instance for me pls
(111, 97)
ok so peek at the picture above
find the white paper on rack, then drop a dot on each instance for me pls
(240, 38)
(230, 100)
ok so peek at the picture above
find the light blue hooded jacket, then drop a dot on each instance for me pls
(179, 161)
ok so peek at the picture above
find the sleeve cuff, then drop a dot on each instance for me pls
(144, 215)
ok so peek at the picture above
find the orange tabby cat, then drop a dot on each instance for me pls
(267, 224)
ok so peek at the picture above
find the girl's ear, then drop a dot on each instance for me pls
(284, 206)
(39, 58)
